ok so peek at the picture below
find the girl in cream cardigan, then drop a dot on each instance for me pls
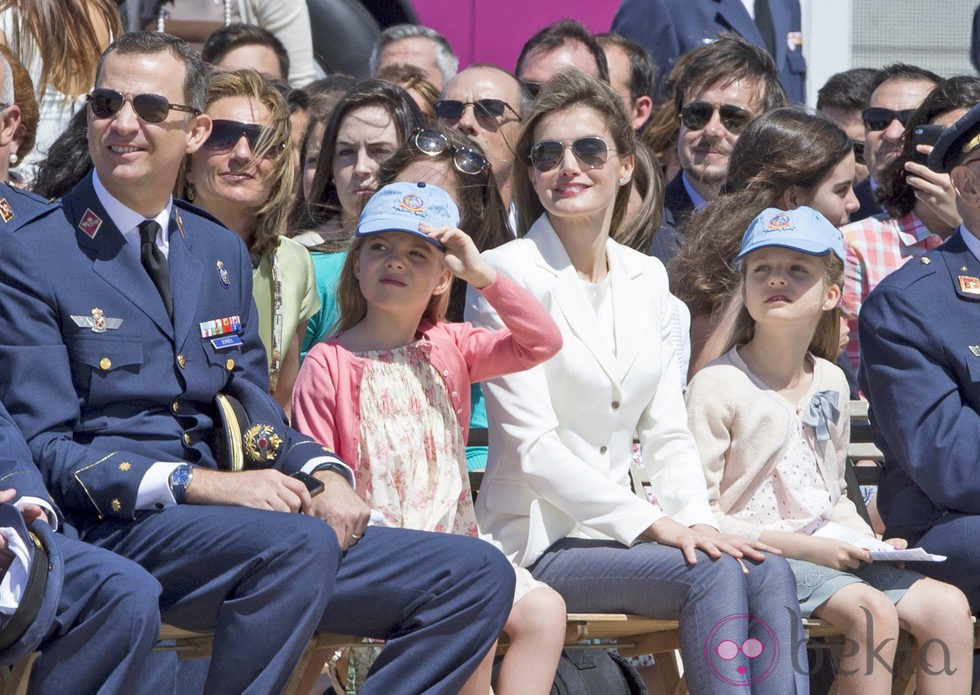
(770, 418)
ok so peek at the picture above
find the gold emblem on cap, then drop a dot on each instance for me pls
(262, 443)
(969, 284)
(105, 363)
(116, 505)
(125, 466)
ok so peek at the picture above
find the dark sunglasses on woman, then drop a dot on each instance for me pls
(697, 115)
(151, 108)
(434, 143)
(226, 134)
(591, 152)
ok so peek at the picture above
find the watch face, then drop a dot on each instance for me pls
(180, 475)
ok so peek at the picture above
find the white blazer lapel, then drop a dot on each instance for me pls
(635, 330)
(570, 297)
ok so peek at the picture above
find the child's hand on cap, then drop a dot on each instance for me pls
(461, 256)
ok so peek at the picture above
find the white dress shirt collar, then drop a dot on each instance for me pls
(127, 220)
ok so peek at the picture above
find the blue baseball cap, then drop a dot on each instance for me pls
(400, 207)
(803, 229)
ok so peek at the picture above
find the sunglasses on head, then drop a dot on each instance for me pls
(878, 119)
(697, 115)
(226, 134)
(434, 143)
(452, 110)
(151, 108)
(591, 152)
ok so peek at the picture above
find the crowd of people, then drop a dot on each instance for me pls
(250, 319)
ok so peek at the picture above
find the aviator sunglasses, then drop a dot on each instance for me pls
(452, 110)
(697, 115)
(151, 108)
(877, 118)
(591, 152)
(226, 134)
(434, 143)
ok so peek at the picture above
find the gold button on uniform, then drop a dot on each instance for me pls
(175, 406)
(230, 364)
(187, 439)
(925, 260)
(105, 363)
(182, 361)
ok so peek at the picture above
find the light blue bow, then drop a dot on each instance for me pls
(821, 411)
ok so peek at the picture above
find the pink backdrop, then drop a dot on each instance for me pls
(493, 31)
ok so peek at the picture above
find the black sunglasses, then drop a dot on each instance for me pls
(858, 151)
(697, 115)
(226, 134)
(434, 143)
(452, 110)
(151, 108)
(591, 152)
(878, 119)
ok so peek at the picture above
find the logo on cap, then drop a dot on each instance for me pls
(780, 221)
(413, 203)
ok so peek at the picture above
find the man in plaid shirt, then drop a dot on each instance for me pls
(920, 207)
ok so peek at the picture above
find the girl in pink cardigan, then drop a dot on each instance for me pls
(770, 419)
(390, 392)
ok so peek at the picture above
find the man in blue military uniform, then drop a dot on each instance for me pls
(920, 369)
(92, 614)
(124, 315)
(671, 28)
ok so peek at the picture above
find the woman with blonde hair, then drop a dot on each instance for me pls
(59, 42)
(243, 175)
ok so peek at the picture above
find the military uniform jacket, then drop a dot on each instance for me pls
(920, 369)
(99, 380)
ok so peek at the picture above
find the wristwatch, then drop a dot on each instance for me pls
(180, 478)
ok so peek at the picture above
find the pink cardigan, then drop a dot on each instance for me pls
(326, 396)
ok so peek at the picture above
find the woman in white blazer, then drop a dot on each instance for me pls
(557, 495)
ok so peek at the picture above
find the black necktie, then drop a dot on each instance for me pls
(763, 20)
(155, 263)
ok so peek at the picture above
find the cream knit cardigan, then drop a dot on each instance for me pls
(742, 429)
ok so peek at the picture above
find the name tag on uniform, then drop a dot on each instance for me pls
(226, 342)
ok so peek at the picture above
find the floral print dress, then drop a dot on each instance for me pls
(411, 462)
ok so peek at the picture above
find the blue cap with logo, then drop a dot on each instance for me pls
(400, 207)
(803, 229)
